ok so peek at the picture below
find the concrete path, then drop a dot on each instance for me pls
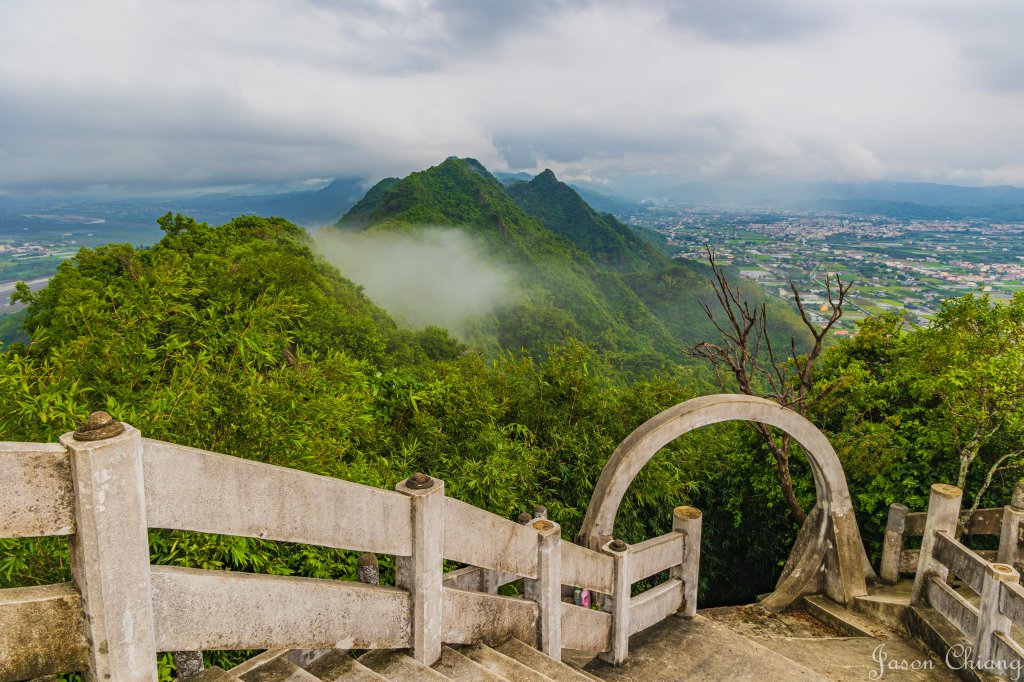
(699, 650)
(834, 654)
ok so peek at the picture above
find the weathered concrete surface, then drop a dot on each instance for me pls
(502, 665)
(338, 665)
(278, 670)
(687, 522)
(110, 556)
(37, 499)
(201, 610)
(887, 605)
(654, 605)
(617, 606)
(471, 617)
(459, 668)
(828, 650)
(477, 537)
(839, 548)
(530, 657)
(853, 659)
(843, 621)
(270, 502)
(930, 630)
(699, 650)
(421, 572)
(585, 629)
(892, 547)
(397, 667)
(943, 514)
(586, 568)
(214, 674)
(41, 631)
(546, 590)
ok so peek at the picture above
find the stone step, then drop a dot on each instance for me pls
(260, 660)
(541, 662)
(338, 666)
(397, 667)
(502, 665)
(455, 666)
(834, 641)
(886, 604)
(845, 621)
(213, 674)
(278, 670)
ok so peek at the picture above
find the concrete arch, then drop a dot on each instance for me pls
(828, 554)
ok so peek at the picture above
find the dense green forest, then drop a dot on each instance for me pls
(241, 339)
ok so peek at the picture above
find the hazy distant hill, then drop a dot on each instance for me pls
(919, 200)
(916, 211)
(307, 208)
(604, 202)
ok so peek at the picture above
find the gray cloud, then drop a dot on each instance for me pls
(752, 20)
(190, 93)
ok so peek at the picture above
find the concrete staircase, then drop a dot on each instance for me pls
(513, 661)
(818, 642)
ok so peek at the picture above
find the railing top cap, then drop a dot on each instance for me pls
(687, 512)
(99, 426)
(1003, 572)
(946, 490)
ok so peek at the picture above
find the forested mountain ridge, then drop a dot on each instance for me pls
(603, 237)
(672, 290)
(564, 290)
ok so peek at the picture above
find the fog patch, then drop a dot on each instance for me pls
(433, 276)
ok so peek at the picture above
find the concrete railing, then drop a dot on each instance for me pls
(1005, 522)
(104, 486)
(999, 597)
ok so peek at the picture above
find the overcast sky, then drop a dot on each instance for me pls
(167, 94)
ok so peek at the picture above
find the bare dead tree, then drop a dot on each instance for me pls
(746, 352)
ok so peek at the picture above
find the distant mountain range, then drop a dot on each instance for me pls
(307, 208)
(896, 199)
(619, 195)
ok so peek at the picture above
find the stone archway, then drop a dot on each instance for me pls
(828, 555)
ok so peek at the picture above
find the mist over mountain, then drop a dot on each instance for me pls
(428, 277)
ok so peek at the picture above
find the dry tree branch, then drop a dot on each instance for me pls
(748, 353)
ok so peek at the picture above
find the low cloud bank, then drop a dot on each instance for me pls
(433, 276)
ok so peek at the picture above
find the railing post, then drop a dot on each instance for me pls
(892, 547)
(617, 603)
(421, 573)
(1010, 533)
(687, 520)
(546, 590)
(943, 515)
(187, 663)
(110, 550)
(368, 569)
(990, 619)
